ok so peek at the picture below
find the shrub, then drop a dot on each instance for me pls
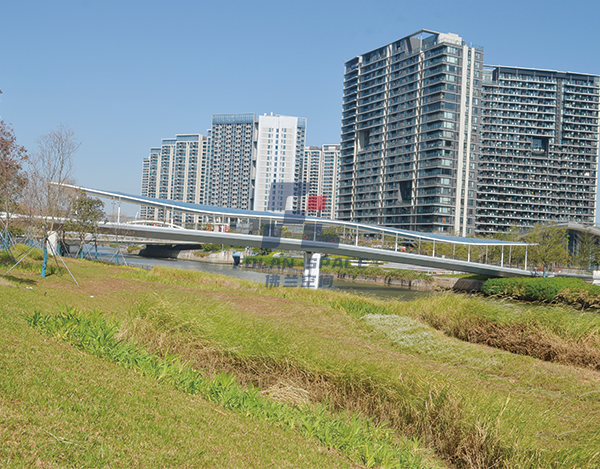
(570, 290)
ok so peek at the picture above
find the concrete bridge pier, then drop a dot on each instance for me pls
(312, 264)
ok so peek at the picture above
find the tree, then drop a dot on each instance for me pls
(551, 246)
(52, 164)
(587, 250)
(12, 174)
(86, 216)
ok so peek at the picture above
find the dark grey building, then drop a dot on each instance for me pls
(432, 141)
(539, 141)
(410, 127)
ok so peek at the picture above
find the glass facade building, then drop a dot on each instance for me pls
(410, 132)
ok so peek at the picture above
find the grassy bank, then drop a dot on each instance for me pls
(60, 407)
(358, 438)
(552, 333)
(472, 406)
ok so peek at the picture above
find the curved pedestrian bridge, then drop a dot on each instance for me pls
(316, 236)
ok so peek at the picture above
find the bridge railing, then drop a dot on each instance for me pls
(507, 256)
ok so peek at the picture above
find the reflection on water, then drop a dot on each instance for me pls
(376, 291)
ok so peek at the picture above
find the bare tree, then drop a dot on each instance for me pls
(12, 174)
(52, 164)
(85, 219)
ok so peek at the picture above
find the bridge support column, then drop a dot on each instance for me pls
(312, 261)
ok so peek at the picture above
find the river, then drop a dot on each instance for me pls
(377, 291)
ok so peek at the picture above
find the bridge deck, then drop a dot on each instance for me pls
(257, 241)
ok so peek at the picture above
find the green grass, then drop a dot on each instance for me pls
(60, 407)
(474, 406)
(362, 441)
(471, 394)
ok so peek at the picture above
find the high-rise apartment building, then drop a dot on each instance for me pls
(539, 155)
(176, 171)
(319, 169)
(280, 145)
(249, 155)
(246, 162)
(232, 161)
(433, 141)
(410, 127)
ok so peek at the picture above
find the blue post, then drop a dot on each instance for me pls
(45, 263)
(117, 256)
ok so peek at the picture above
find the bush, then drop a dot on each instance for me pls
(569, 290)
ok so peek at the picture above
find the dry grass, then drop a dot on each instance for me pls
(554, 334)
(527, 340)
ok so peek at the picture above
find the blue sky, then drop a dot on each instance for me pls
(125, 74)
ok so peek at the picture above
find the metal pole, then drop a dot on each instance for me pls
(356, 244)
(119, 213)
(65, 265)
(45, 261)
(525, 257)
(433, 252)
(396, 242)
(509, 255)
(502, 258)
(23, 259)
(486, 254)
(469, 256)
(453, 251)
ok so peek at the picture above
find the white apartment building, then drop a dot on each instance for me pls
(280, 145)
(319, 168)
